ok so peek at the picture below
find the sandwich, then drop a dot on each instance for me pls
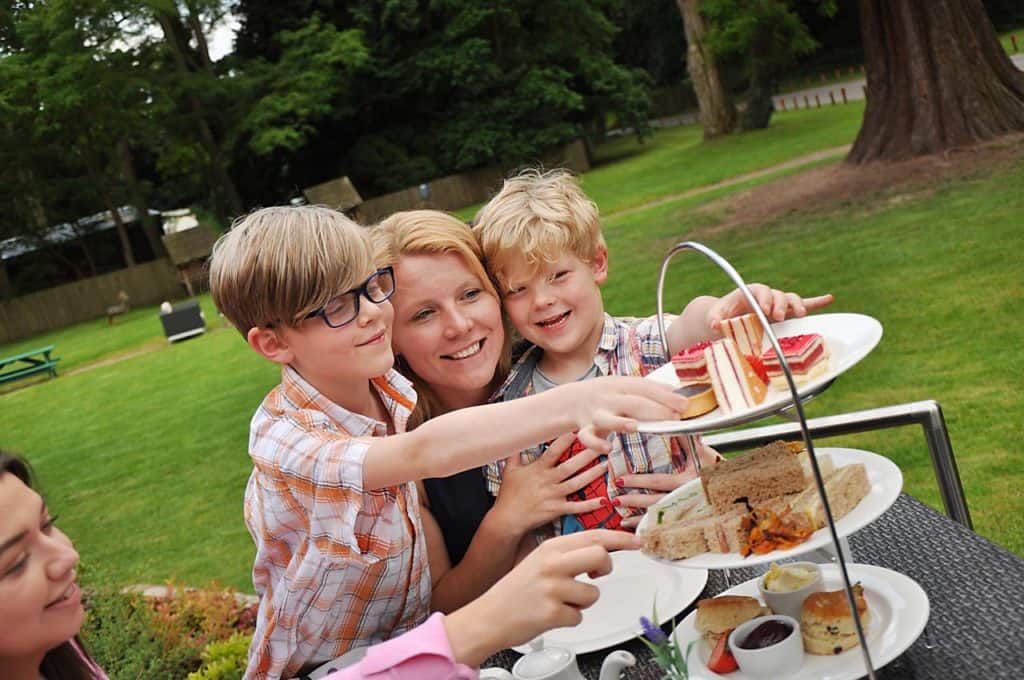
(826, 624)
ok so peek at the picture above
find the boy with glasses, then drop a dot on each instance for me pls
(331, 502)
(542, 242)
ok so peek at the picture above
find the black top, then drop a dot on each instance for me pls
(459, 504)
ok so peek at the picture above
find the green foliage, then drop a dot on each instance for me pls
(766, 36)
(225, 659)
(309, 81)
(195, 630)
(120, 634)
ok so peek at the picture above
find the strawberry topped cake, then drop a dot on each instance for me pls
(690, 364)
(806, 355)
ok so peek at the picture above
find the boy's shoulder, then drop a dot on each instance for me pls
(296, 404)
(520, 377)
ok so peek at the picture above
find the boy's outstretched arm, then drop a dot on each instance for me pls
(471, 437)
(702, 317)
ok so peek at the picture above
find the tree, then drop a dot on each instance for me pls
(767, 36)
(937, 78)
(717, 110)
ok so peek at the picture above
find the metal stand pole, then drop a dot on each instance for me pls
(724, 265)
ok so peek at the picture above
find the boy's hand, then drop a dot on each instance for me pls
(546, 580)
(616, 403)
(535, 493)
(776, 305)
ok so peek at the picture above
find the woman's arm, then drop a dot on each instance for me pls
(471, 437)
(531, 495)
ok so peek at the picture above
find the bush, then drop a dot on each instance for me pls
(132, 636)
(224, 660)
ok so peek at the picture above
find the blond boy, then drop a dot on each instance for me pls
(331, 502)
(542, 242)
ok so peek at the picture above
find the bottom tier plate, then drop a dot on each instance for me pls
(899, 612)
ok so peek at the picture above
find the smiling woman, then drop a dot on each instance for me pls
(40, 601)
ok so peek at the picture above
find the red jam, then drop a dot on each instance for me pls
(767, 634)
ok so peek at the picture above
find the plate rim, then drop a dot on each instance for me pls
(874, 330)
(699, 581)
(910, 590)
(843, 527)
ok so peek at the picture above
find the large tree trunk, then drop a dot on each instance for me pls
(717, 112)
(937, 78)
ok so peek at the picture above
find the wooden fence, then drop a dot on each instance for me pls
(458, 191)
(62, 306)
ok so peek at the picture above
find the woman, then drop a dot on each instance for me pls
(41, 603)
(450, 339)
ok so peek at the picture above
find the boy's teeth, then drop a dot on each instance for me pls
(553, 320)
(468, 352)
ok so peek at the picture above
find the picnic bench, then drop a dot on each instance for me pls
(27, 363)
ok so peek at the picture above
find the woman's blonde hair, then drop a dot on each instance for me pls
(432, 232)
(538, 216)
(278, 264)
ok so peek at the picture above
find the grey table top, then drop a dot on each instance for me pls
(975, 589)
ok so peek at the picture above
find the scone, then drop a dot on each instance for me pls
(716, 616)
(826, 624)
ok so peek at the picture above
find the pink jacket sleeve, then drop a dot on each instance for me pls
(423, 653)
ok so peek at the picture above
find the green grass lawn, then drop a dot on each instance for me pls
(87, 342)
(1004, 38)
(628, 173)
(145, 458)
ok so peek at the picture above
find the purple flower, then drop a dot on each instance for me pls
(652, 632)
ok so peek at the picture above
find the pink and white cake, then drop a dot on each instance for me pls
(746, 331)
(806, 355)
(735, 383)
(690, 364)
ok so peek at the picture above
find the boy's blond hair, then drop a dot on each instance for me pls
(538, 216)
(432, 232)
(278, 264)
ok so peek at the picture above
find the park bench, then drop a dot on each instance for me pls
(28, 363)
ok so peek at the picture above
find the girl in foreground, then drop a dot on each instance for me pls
(41, 603)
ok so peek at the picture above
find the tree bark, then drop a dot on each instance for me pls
(95, 174)
(717, 111)
(138, 194)
(174, 33)
(937, 78)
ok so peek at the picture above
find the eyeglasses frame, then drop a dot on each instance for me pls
(360, 291)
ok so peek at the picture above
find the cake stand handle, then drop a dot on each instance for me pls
(724, 265)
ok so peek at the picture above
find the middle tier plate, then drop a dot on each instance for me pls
(886, 482)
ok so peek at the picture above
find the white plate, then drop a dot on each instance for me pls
(848, 337)
(898, 609)
(627, 594)
(886, 483)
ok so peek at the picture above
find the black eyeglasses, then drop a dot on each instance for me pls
(344, 308)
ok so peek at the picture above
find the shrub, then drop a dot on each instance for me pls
(225, 659)
(132, 636)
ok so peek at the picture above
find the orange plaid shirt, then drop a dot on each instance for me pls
(337, 567)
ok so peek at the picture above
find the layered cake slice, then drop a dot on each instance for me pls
(746, 331)
(736, 384)
(690, 364)
(806, 355)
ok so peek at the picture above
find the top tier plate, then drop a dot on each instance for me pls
(849, 338)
